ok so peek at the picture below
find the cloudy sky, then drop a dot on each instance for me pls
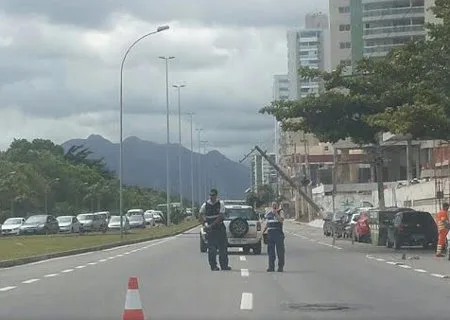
(60, 63)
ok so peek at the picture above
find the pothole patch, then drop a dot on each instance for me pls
(317, 307)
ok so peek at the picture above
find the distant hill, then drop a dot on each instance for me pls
(145, 165)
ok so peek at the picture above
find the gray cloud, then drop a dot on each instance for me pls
(98, 14)
(59, 68)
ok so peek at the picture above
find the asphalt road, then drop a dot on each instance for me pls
(319, 282)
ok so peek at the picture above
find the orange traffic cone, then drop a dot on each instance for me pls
(133, 306)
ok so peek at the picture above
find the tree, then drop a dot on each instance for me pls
(264, 196)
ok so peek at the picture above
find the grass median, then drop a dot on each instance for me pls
(15, 247)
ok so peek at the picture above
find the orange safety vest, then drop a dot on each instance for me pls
(441, 217)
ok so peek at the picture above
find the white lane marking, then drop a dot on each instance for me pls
(80, 267)
(50, 275)
(404, 266)
(247, 301)
(30, 281)
(391, 263)
(92, 263)
(242, 258)
(336, 247)
(67, 271)
(437, 275)
(127, 253)
(420, 270)
(323, 243)
(110, 258)
(380, 259)
(240, 249)
(7, 288)
(135, 250)
(119, 255)
(370, 257)
(56, 259)
(102, 260)
(245, 273)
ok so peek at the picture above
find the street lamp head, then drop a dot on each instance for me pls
(166, 58)
(162, 28)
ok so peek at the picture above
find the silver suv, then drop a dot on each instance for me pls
(244, 229)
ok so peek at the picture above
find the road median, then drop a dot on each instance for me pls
(27, 249)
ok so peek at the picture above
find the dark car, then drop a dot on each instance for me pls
(40, 224)
(412, 228)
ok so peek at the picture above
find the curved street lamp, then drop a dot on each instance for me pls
(159, 29)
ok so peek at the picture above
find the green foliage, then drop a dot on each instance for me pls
(406, 92)
(38, 176)
(264, 196)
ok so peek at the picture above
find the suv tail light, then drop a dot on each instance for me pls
(258, 226)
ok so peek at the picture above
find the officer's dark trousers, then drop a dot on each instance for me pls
(217, 241)
(275, 242)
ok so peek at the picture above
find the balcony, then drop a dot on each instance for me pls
(394, 31)
(393, 13)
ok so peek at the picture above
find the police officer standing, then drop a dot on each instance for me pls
(212, 213)
(275, 237)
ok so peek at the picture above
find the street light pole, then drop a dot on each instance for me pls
(166, 59)
(191, 114)
(180, 176)
(159, 29)
(199, 131)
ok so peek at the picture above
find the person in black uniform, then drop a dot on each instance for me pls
(212, 215)
(275, 237)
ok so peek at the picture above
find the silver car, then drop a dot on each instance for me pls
(243, 227)
(68, 224)
(114, 223)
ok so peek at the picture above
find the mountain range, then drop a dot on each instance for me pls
(144, 164)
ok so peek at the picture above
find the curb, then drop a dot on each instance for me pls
(26, 260)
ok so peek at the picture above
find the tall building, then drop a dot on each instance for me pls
(316, 20)
(262, 172)
(372, 28)
(280, 87)
(306, 48)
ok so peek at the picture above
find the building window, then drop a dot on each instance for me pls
(344, 9)
(325, 148)
(345, 45)
(344, 27)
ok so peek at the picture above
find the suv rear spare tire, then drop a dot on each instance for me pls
(238, 227)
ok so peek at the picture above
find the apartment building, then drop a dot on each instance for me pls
(262, 172)
(372, 28)
(280, 87)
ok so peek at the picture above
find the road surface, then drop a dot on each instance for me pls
(319, 282)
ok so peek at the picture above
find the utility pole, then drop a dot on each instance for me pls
(205, 166)
(191, 114)
(334, 177)
(199, 174)
(180, 144)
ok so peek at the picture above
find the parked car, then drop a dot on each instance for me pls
(412, 228)
(243, 228)
(12, 226)
(137, 221)
(40, 224)
(92, 222)
(132, 212)
(114, 223)
(69, 224)
(149, 219)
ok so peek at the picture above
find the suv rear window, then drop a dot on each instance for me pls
(247, 213)
(417, 217)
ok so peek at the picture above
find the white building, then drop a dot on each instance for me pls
(262, 172)
(281, 87)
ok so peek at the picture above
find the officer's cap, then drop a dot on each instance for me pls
(213, 192)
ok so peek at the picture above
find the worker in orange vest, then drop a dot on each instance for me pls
(443, 225)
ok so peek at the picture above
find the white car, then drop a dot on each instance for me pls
(114, 223)
(133, 212)
(148, 216)
(243, 227)
(12, 226)
(69, 224)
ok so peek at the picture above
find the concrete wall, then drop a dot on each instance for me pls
(420, 196)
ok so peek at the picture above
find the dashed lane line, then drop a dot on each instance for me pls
(421, 270)
(50, 275)
(4, 289)
(245, 273)
(30, 281)
(242, 258)
(247, 301)
(67, 270)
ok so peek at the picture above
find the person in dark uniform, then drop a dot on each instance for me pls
(212, 215)
(275, 237)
